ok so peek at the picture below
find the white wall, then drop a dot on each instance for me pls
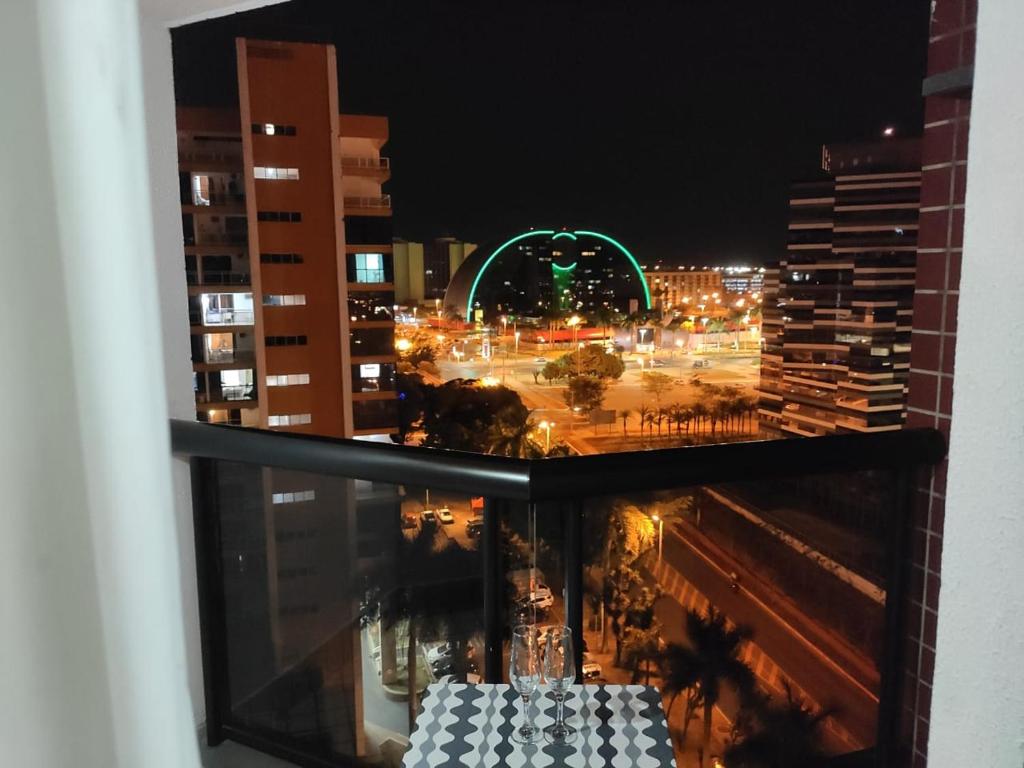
(978, 697)
(156, 19)
(94, 666)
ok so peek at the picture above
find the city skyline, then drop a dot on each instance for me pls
(502, 141)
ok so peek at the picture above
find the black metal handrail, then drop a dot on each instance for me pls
(559, 478)
(503, 481)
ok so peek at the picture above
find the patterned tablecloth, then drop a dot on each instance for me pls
(620, 726)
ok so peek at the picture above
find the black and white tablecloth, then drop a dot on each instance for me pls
(470, 726)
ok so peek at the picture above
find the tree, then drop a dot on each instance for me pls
(649, 420)
(459, 414)
(712, 653)
(554, 370)
(624, 415)
(511, 435)
(592, 360)
(585, 392)
(700, 412)
(783, 735)
(410, 387)
(656, 384)
(643, 412)
(422, 585)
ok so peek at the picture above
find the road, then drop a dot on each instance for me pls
(781, 639)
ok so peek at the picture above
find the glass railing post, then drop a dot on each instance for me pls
(572, 518)
(490, 548)
(213, 637)
(897, 567)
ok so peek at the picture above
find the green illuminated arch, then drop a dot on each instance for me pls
(628, 255)
(542, 232)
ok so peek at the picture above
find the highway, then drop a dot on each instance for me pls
(782, 640)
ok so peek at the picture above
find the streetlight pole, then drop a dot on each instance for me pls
(516, 334)
(661, 532)
(546, 426)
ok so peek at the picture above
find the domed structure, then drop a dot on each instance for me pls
(542, 270)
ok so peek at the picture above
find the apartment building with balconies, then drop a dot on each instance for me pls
(841, 319)
(288, 251)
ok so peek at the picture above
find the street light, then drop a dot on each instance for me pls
(661, 531)
(546, 426)
(517, 335)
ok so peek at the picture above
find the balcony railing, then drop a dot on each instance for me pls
(220, 238)
(332, 590)
(374, 163)
(219, 198)
(224, 317)
(207, 277)
(384, 201)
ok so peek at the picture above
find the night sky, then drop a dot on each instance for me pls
(673, 126)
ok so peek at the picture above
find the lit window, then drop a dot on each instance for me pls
(293, 497)
(284, 300)
(288, 419)
(287, 379)
(370, 268)
(267, 172)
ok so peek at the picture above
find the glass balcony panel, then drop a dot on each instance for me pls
(333, 588)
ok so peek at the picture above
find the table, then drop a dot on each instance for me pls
(469, 726)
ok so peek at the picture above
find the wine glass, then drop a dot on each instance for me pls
(524, 672)
(560, 673)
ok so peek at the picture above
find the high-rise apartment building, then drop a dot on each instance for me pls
(423, 270)
(288, 251)
(837, 332)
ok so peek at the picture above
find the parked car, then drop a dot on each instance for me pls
(445, 515)
(438, 652)
(445, 651)
(540, 360)
(701, 363)
(448, 666)
(428, 516)
(474, 527)
(657, 363)
(539, 600)
(591, 669)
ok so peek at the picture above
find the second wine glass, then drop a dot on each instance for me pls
(560, 673)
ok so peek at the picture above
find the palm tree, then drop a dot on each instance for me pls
(722, 411)
(688, 416)
(660, 414)
(675, 415)
(510, 435)
(700, 412)
(422, 585)
(679, 674)
(624, 415)
(712, 653)
(643, 412)
(649, 419)
(783, 735)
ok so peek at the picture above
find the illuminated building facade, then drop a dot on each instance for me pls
(288, 251)
(543, 271)
(837, 332)
(423, 270)
(672, 288)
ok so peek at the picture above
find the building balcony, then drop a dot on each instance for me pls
(382, 202)
(375, 167)
(218, 318)
(333, 592)
(211, 279)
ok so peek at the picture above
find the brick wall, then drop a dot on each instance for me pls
(944, 161)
